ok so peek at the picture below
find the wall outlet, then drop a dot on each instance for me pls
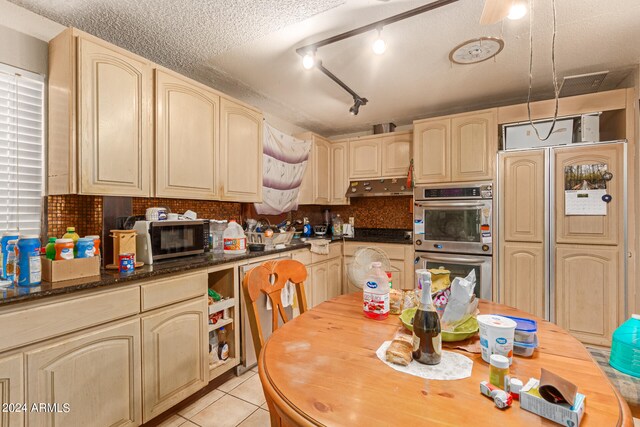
(352, 221)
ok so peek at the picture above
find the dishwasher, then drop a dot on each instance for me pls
(248, 356)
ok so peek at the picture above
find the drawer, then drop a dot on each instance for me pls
(303, 256)
(32, 322)
(393, 251)
(167, 291)
(335, 250)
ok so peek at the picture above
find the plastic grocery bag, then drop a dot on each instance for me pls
(462, 302)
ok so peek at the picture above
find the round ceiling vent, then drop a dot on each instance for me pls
(476, 50)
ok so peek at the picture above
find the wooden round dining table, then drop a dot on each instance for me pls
(321, 368)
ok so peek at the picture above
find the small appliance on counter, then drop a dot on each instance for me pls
(162, 240)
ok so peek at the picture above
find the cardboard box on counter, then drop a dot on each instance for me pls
(565, 414)
(78, 268)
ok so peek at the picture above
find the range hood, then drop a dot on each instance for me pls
(379, 187)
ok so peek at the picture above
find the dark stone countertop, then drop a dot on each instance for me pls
(13, 295)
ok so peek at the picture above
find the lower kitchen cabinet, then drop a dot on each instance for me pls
(334, 282)
(324, 274)
(97, 373)
(320, 280)
(174, 355)
(522, 278)
(587, 291)
(11, 390)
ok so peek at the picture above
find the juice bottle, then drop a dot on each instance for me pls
(50, 249)
(11, 262)
(223, 347)
(234, 239)
(375, 293)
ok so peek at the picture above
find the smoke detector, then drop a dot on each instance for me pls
(476, 50)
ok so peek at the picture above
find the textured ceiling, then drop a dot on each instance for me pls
(246, 49)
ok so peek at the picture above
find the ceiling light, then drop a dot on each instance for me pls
(476, 50)
(309, 60)
(379, 46)
(357, 102)
(517, 11)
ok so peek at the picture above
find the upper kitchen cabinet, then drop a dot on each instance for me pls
(240, 159)
(340, 173)
(99, 118)
(396, 154)
(432, 151)
(456, 148)
(365, 158)
(326, 178)
(380, 156)
(187, 129)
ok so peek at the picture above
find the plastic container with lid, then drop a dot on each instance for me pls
(216, 229)
(50, 249)
(234, 240)
(4, 241)
(625, 347)
(525, 329)
(498, 370)
(525, 349)
(11, 261)
(496, 336)
(29, 263)
(336, 228)
(85, 248)
(64, 249)
(96, 244)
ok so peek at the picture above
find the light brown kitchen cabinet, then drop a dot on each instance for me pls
(100, 138)
(240, 160)
(586, 291)
(365, 158)
(174, 349)
(334, 287)
(320, 280)
(455, 148)
(522, 273)
(591, 229)
(187, 129)
(339, 175)
(522, 183)
(474, 145)
(97, 372)
(11, 390)
(396, 154)
(432, 151)
(321, 168)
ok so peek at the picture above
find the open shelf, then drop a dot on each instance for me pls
(220, 324)
(221, 367)
(221, 305)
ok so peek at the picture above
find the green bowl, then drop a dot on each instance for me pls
(466, 330)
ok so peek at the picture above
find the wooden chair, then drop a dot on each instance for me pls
(269, 279)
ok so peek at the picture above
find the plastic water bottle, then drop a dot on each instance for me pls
(234, 240)
(376, 293)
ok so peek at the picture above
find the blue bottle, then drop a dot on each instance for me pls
(85, 248)
(4, 241)
(29, 264)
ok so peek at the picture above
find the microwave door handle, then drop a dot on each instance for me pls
(454, 259)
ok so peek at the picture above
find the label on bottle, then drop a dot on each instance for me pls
(1, 264)
(35, 269)
(66, 253)
(376, 303)
(235, 244)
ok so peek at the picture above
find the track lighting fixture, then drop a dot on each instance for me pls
(309, 60)
(517, 11)
(379, 46)
(357, 102)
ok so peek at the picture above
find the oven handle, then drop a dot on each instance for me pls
(454, 259)
(450, 205)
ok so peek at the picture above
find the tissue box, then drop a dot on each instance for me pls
(564, 414)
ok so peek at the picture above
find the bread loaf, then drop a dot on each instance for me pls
(399, 351)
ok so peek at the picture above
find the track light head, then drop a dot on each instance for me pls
(309, 60)
(357, 102)
(379, 46)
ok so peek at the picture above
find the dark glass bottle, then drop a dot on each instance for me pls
(427, 339)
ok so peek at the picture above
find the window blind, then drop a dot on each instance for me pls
(21, 150)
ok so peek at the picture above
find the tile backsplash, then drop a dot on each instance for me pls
(206, 209)
(82, 212)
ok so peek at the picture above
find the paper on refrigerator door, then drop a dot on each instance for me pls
(585, 202)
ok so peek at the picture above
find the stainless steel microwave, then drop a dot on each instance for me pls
(162, 240)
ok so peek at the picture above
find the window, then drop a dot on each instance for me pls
(21, 150)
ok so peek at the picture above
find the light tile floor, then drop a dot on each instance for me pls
(237, 403)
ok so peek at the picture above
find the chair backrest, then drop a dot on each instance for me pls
(269, 279)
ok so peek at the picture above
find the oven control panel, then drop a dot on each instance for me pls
(484, 191)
